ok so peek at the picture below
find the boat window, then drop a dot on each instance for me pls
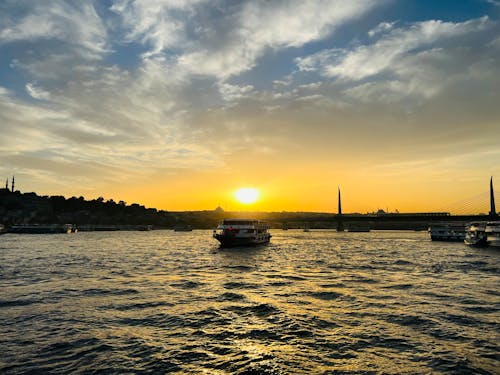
(238, 222)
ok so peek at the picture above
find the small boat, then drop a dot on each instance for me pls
(447, 231)
(475, 234)
(3, 230)
(492, 231)
(358, 228)
(183, 228)
(241, 232)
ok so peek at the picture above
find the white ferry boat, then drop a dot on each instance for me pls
(475, 234)
(447, 231)
(242, 232)
(493, 233)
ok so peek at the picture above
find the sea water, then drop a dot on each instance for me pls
(308, 303)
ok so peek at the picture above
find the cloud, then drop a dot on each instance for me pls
(369, 60)
(76, 24)
(159, 24)
(381, 28)
(234, 92)
(36, 92)
(226, 40)
(410, 63)
(493, 2)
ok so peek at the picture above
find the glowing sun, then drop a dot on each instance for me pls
(247, 195)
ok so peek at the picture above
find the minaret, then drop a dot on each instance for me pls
(7, 184)
(340, 224)
(13, 183)
(493, 212)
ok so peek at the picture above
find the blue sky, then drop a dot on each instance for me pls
(112, 97)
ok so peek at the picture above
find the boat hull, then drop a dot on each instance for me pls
(494, 241)
(41, 229)
(482, 242)
(450, 238)
(232, 241)
(447, 232)
(493, 233)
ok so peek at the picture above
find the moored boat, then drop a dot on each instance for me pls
(41, 228)
(475, 234)
(492, 231)
(183, 228)
(242, 232)
(358, 228)
(447, 231)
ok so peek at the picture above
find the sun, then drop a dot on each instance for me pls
(247, 195)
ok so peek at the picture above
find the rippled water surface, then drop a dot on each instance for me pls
(310, 303)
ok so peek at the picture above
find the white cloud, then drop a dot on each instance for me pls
(381, 28)
(234, 92)
(494, 2)
(160, 24)
(36, 92)
(75, 23)
(369, 60)
(227, 40)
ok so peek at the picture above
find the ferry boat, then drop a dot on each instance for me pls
(493, 233)
(475, 234)
(242, 232)
(447, 231)
(42, 228)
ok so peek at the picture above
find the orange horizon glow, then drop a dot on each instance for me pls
(311, 192)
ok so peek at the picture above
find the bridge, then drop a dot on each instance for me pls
(382, 220)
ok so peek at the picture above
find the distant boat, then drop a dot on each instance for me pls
(3, 230)
(41, 228)
(451, 231)
(492, 231)
(475, 234)
(358, 228)
(242, 232)
(183, 228)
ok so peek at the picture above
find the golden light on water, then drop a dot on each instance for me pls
(247, 195)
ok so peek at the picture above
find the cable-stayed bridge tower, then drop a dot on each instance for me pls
(493, 212)
(340, 224)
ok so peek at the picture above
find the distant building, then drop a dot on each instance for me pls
(219, 209)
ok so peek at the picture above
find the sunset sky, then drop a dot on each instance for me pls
(176, 104)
